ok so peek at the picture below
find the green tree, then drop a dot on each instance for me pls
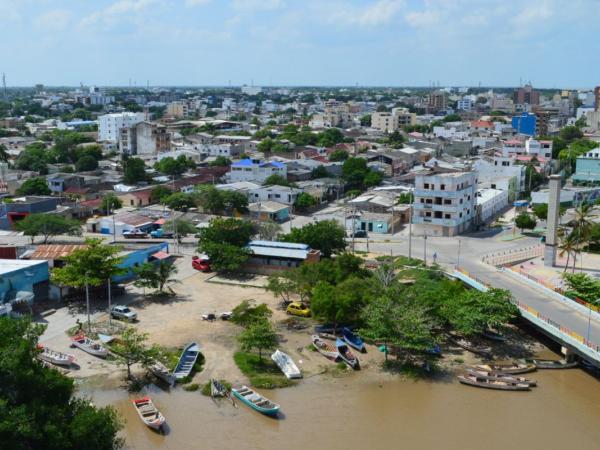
(277, 180)
(86, 163)
(224, 241)
(570, 133)
(34, 157)
(34, 186)
(134, 170)
(339, 155)
(320, 172)
(525, 221)
(330, 137)
(373, 178)
(110, 202)
(220, 161)
(304, 201)
(234, 201)
(130, 349)
(182, 226)
(365, 120)
(395, 140)
(339, 303)
(159, 193)
(38, 404)
(3, 153)
(354, 171)
(259, 335)
(156, 276)
(247, 313)
(179, 201)
(582, 286)
(568, 246)
(541, 211)
(174, 166)
(47, 225)
(327, 236)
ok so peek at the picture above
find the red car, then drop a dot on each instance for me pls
(201, 263)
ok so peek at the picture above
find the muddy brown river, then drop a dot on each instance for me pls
(352, 412)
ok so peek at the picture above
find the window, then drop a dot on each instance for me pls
(447, 201)
(493, 186)
(442, 187)
(426, 185)
(428, 214)
(460, 215)
(447, 216)
(422, 200)
(468, 197)
(461, 200)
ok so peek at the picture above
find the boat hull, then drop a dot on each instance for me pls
(353, 340)
(325, 349)
(286, 365)
(270, 411)
(346, 355)
(551, 364)
(508, 370)
(501, 377)
(188, 358)
(498, 387)
(89, 346)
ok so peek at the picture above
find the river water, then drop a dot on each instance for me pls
(358, 412)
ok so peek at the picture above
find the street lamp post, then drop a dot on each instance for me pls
(425, 249)
(410, 213)
(458, 255)
(109, 305)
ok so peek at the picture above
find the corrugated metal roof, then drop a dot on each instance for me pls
(274, 244)
(54, 251)
(278, 252)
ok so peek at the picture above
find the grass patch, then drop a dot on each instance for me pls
(310, 348)
(170, 357)
(191, 387)
(206, 388)
(262, 373)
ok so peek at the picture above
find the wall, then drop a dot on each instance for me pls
(24, 279)
(137, 258)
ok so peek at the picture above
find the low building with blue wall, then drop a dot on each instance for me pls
(137, 257)
(22, 279)
(588, 168)
(22, 207)
(525, 123)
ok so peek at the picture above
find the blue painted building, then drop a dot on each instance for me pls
(135, 258)
(23, 279)
(20, 208)
(525, 123)
(588, 168)
(376, 222)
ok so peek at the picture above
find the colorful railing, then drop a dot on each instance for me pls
(512, 256)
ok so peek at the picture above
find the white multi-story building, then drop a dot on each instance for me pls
(255, 170)
(490, 203)
(444, 203)
(109, 125)
(499, 167)
(538, 148)
(465, 104)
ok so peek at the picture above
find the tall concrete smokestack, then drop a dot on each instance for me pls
(552, 222)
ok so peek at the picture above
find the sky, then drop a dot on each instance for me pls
(552, 43)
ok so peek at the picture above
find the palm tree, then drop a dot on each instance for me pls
(582, 227)
(165, 272)
(568, 245)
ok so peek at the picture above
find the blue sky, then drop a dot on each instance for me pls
(553, 43)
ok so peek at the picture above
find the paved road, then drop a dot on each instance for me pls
(472, 249)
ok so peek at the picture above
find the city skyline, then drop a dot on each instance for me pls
(376, 43)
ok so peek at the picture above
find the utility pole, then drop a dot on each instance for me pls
(4, 87)
(425, 249)
(410, 225)
(109, 305)
(458, 255)
(87, 303)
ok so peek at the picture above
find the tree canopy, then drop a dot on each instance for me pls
(525, 221)
(47, 225)
(327, 236)
(34, 186)
(134, 170)
(224, 241)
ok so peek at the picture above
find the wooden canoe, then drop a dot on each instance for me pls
(256, 401)
(148, 413)
(470, 346)
(161, 371)
(501, 377)
(324, 348)
(501, 385)
(81, 341)
(346, 354)
(188, 358)
(551, 363)
(510, 368)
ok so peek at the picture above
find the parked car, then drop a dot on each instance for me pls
(201, 263)
(160, 233)
(298, 309)
(123, 312)
(359, 234)
(135, 234)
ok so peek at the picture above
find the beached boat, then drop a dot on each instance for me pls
(148, 413)
(551, 363)
(80, 340)
(329, 328)
(54, 357)
(346, 354)
(159, 370)
(256, 401)
(511, 368)
(218, 389)
(286, 364)
(353, 340)
(493, 336)
(324, 348)
(331, 337)
(470, 346)
(186, 361)
(502, 385)
(501, 377)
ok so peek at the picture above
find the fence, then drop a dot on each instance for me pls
(473, 277)
(513, 256)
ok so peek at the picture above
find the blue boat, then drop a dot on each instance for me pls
(256, 401)
(353, 340)
(186, 361)
(346, 355)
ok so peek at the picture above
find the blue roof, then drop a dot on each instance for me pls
(251, 162)
(243, 163)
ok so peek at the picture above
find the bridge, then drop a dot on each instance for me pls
(574, 326)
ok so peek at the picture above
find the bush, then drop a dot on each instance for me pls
(263, 373)
(246, 313)
(206, 387)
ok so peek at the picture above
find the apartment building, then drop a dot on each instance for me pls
(444, 203)
(178, 109)
(144, 139)
(336, 115)
(110, 125)
(526, 95)
(437, 101)
(255, 170)
(388, 122)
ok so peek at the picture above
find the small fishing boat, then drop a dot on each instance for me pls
(148, 413)
(81, 341)
(551, 363)
(470, 346)
(501, 385)
(324, 348)
(329, 328)
(54, 357)
(501, 377)
(286, 364)
(331, 337)
(511, 368)
(353, 340)
(218, 389)
(346, 354)
(186, 361)
(159, 370)
(493, 336)
(256, 401)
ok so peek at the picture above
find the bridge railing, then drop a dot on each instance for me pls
(513, 256)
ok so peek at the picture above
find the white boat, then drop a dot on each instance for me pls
(324, 348)
(159, 370)
(80, 340)
(54, 357)
(186, 361)
(286, 364)
(148, 413)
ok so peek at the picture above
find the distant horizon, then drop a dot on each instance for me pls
(309, 43)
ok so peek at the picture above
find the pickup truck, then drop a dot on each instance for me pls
(135, 234)
(160, 233)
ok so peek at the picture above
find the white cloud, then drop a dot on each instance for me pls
(56, 20)
(257, 5)
(117, 11)
(379, 13)
(422, 18)
(533, 14)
